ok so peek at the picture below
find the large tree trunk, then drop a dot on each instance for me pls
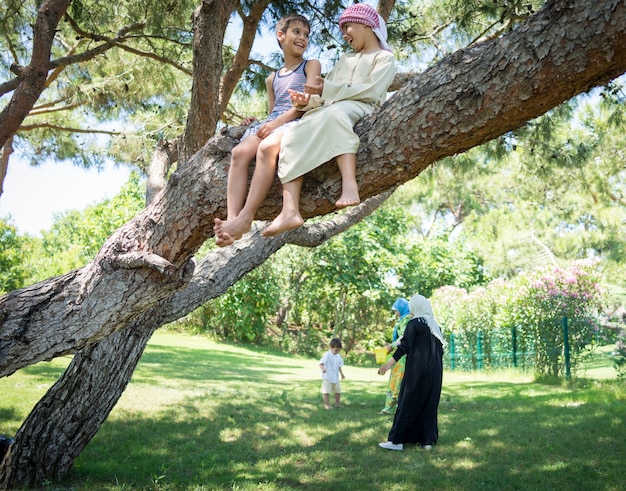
(210, 20)
(210, 94)
(470, 97)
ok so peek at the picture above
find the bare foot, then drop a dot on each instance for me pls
(227, 232)
(343, 202)
(349, 196)
(223, 240)
(283, 223)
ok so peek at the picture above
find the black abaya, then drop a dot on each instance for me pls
(416, 416)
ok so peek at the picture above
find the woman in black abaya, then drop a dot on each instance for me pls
(415, 420)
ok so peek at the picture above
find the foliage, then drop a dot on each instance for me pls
(551, 191)
(439, 260)
(13, 250)
(116, 104)
(534, 304)
(619, 357)
(242, 313)
(346, 286)
(554, 294)
(427, 31)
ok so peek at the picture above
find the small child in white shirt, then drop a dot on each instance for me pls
(330, 364)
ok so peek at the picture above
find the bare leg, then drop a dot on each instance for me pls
(338, 399)
(232, 229)
(326, 401)
(240, 160)
(349, 186)
(289, 218)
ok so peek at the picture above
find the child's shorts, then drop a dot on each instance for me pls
(330, 388)
(254, 127)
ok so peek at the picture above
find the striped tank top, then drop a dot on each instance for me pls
(294, 80)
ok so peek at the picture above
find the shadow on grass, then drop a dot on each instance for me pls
(244, 427)
(48, 371)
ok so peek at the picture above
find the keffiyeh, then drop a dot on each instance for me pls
(362, 13)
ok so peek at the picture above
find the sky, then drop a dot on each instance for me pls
(32, 195)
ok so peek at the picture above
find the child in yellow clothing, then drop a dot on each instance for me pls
(401, 308)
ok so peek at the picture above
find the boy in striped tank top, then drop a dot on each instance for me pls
(262, 140)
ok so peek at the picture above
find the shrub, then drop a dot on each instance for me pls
(534, 304)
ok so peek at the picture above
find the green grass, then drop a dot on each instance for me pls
(205, 416)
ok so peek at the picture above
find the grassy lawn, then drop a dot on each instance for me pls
(205, 416)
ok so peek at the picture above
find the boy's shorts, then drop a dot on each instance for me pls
(330, 388)
(254, 127)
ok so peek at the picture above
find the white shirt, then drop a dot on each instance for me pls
(332, 362)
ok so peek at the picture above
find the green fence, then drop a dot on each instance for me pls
(475, 352)
(479, 352)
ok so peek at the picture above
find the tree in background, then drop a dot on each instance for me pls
(552, 191)
(13, 250)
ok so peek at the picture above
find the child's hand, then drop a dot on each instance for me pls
(248, 120)
(266, 129)
(382, 370)
(315, 88)
(343, 376)
(299, 99)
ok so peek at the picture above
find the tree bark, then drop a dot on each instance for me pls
(32, 78)
(210, 20)
(5, 152)
(468, 98)
(163, 159)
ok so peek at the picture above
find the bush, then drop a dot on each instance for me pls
(534, 305)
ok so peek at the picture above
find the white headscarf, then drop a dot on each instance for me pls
(420, 307)
(381, 33)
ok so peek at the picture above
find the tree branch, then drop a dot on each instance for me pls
(56, 127)
(315, 234)
(118, 41)
(241, 59)
(33, 77)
